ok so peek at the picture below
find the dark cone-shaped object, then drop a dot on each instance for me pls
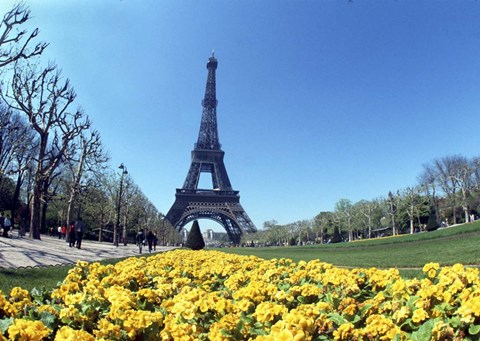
(195, 239)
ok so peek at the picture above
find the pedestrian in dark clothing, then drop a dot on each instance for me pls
(150, 239)
(7, 225)
(2, 221)
(140, 239)
(79, 230)
(71, 234)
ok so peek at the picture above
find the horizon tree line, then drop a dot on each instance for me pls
(447, 192)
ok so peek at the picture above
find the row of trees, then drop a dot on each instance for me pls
(447, 192)
(53, 166)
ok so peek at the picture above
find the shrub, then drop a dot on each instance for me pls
(195, 239)
(432, 223)
(337, 237)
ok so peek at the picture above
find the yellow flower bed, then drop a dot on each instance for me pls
(210, 295)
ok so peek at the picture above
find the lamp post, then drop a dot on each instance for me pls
(117, 225)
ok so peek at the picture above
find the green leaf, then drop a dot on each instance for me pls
(356, 319)
(365, 308)
(48, 319)
(336, 318)
(246, 319)
(474, 329)
(5, 323)
(397, 338)
(258, 325)
(424, 332)
(225, 332)
(455, 322)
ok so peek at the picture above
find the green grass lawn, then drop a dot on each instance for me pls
(41, 277)
(458, 244)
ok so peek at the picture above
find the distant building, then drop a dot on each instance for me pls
(208, 235)
(184, 234)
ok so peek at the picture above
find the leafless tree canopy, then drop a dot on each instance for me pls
(14, 44)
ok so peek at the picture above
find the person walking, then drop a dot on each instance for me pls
(2, 224)
(71, 234)
(140, 239)
(79, 231)
(64, 231)
(7, 225)
(150, 239)
(155, 241)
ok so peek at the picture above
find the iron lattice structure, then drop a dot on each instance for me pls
(221, 203)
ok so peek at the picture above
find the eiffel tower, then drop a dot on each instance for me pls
(221, 203)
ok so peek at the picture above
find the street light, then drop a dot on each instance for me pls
(117, 225)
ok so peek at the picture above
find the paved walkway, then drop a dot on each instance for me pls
(25, 252)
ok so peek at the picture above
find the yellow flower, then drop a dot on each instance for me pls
(268, 311)
(28, 330)
(107, 330)
(68, 334)
(442, 331)
(6, 308)
(345, 332)
(431, 269)
(379, 327)
(419, 315)
(401, 314)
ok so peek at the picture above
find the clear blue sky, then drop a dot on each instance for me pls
(318, 100)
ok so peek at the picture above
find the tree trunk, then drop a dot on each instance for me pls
(100, 230)
(454, 214)
(35, 211)
(44, 203)
(369, 227)
(394, 230)
(412, 218)
(43, 218)
(467, 217)
(16, 196)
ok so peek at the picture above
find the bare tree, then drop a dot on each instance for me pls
(410, 199)
(14, 43)
(463, 176)
(345, 211)
(475, 162)
(367, 210)
(447, 168)
(17, 144)
(89, 158)
(392, 204)
(428, 180)
(45, 99)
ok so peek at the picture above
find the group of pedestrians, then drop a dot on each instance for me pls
(150, 239)
(5, 224)
(75, 233)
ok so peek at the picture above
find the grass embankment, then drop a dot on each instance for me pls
(458, 244)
